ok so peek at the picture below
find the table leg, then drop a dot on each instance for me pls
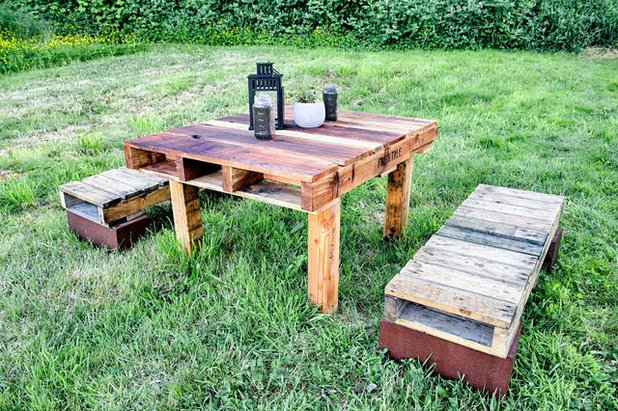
(398, 199)
(187, 215)
(323, 257)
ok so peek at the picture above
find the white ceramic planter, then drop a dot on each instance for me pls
(309, 115)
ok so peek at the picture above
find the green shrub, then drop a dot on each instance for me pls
(522, 24)
(20, 23)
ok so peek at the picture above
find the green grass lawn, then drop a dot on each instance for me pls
(232, 326)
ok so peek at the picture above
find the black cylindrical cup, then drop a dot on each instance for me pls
(330, 95)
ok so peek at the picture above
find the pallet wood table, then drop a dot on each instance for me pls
(302, 169)
(107, 208)
(468, 285)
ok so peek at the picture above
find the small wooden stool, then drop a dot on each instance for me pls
(460, 299)
(106, 209)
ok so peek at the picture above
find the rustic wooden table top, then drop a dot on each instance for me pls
(325, 162)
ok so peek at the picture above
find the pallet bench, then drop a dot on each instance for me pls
(107, 208)
(460, 299)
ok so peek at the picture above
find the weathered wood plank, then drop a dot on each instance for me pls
(477, 265)
(512, 192)
(324, 135)
(265, 191)
(332, 131)
(520, 211)
(323, 257)
(514, 201)
(483, 214)
(493, 311)
(398, 199)
(90, 194)
(461, 247)
(499, 229)
(164, 169)
(490, 240)
(122, 190)
(139, 181)
(451, 325)
(381, 118)
(467, 281)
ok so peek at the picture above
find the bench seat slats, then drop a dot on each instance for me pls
(549, 199)
(505, 230)
(90, 194)
(114, 195)
(473, 265)
(479, 250)
(490, 240)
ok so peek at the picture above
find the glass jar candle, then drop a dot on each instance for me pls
(263, 117)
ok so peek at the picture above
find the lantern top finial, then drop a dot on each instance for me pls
(265, 70)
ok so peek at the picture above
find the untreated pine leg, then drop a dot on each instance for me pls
(398, 199)
(187, 215)
(323, 257)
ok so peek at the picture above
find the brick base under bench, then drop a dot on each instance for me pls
(115, 237)
(451, 360)
(460, 299)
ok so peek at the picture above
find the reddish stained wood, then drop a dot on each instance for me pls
(258, 159)
(381, 118)
(136, 158)
(234, 179)
(332, 130)
(188, 169)
(279, 145)
(318, 193)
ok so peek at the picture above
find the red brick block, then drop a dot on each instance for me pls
(552, 251)
(480, 370)
(120, 236)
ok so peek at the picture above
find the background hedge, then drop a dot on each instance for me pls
(510, 24)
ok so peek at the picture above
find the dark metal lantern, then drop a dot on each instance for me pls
(266, 79)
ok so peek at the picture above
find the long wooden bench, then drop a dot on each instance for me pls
(464, 291)
(107, 208)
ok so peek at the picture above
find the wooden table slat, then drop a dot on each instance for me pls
(279, 145)
(258, 159)
(333, 133)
